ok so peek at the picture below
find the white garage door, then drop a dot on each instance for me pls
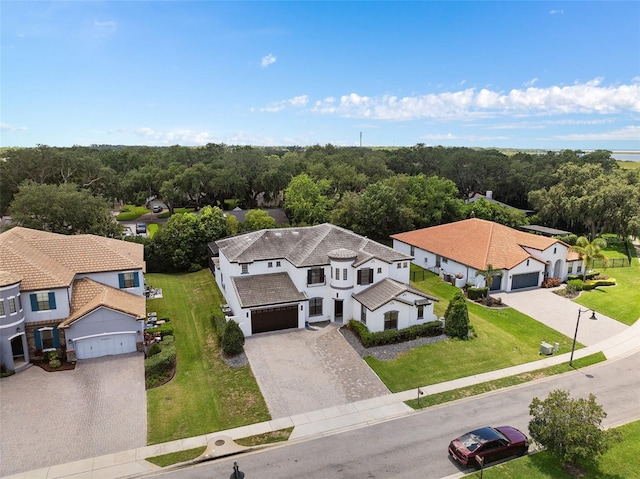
(105, 346)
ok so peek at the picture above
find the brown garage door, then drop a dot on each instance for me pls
(274, 319)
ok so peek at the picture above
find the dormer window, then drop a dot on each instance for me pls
(245, 268)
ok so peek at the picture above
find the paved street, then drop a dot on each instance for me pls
(306, 370)
(54, 417)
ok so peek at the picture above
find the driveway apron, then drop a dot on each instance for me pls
(561, 314)
(50, 418)
(309, 369)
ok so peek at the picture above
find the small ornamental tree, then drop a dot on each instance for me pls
(233, 339)
(457, 317)
(570, 428)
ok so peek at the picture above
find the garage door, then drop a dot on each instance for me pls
(528, 280)
(105, 346)
(274, 319)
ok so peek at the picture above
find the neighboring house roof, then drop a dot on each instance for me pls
(489, 197)
(266, 289)
(545, 230)
(9, 277)
(478, 243)
(50, 260)
(304, 246)
(89, 295)
(382, 292)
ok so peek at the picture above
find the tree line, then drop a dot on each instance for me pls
(373, 191)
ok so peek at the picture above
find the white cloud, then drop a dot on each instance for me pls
(295, 102)
(470, 138)
(631, 132)
(105, 29)
(581, 98)
(8, 127)
(268, 60)
(170, 137)
(556, 12)
(531, 82)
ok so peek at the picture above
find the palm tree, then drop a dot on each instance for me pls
(488, 275)
(590, 251)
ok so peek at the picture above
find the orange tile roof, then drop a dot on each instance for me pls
(478, 243)
(50, 260)
(89, 295)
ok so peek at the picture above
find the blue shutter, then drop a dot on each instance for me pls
(34, 302)
(136, 281)
(121, 280)
(52, 300)
(56, 338)
(37, 338)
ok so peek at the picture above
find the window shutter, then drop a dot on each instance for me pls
(322, 275)
(34, 302)
(37, 338)
(56, 338)
(359, 276)
(309, 277)
(136, 281)
(52, 300)
(121, 280)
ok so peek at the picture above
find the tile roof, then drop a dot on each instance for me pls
(304, 246)
(382, 292)
(478, 243)
(266, 289)
(51, 260)
(89, 295)
(9, 277)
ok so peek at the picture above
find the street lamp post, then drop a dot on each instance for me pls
(573, 347)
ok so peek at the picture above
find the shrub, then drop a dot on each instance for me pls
(219, 325)
(165, 329)
(457, 317)
(232, 339)
(594, 283)
(551, 282)
(574, 285)
(477, 293)
(570, 239)
(153, 350)
(369, 339)
(160, 366)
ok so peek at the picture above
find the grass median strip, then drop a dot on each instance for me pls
(482, 388)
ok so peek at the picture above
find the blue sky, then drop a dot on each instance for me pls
(517, 74)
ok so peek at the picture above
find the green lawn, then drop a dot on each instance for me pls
(505, 337)
(132, 212)
(622, 301)
(151, 229)
(205, 395)
(620, 462)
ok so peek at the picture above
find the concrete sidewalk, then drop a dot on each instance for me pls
(324, 421)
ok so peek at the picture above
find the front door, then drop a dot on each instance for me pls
(338, 310)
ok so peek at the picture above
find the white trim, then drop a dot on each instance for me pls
(17, 323)
(103, 334)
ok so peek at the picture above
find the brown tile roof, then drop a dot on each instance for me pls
(89, 295)
(304, 246)
(478, 243)
(266, 289)
(50, 260)
(9, 277)
(382, 292)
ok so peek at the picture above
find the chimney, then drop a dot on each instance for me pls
(489, 195)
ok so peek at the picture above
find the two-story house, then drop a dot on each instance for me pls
(465, 247)
(82, 293)
(285, 278)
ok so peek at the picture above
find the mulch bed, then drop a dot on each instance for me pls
(64, 366)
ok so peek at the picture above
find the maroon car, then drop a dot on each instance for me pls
(489, 443)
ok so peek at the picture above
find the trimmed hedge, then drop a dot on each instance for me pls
(575, 285)
(161, 364)
(477, 293)
(590, 275)
(368, 339)
(594, 283)
(165, 329)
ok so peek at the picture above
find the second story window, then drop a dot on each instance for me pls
(338, 273)
(42, 301)
(12, 305)
(1, 308)
(365, 276)
(245, 268)
(128, 280)
(315, 276)
(344, 273)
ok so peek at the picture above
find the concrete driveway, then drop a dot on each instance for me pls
(561, 314)
(49, 418)
(307, 370)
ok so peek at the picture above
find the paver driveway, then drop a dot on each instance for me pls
(50, 418)
(306, 370)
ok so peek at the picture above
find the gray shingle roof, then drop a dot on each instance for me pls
(304, 246)
(266, 289)
(387, 290)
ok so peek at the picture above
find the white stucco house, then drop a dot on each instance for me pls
(83, 294)
(284, 278)
(465, 247)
